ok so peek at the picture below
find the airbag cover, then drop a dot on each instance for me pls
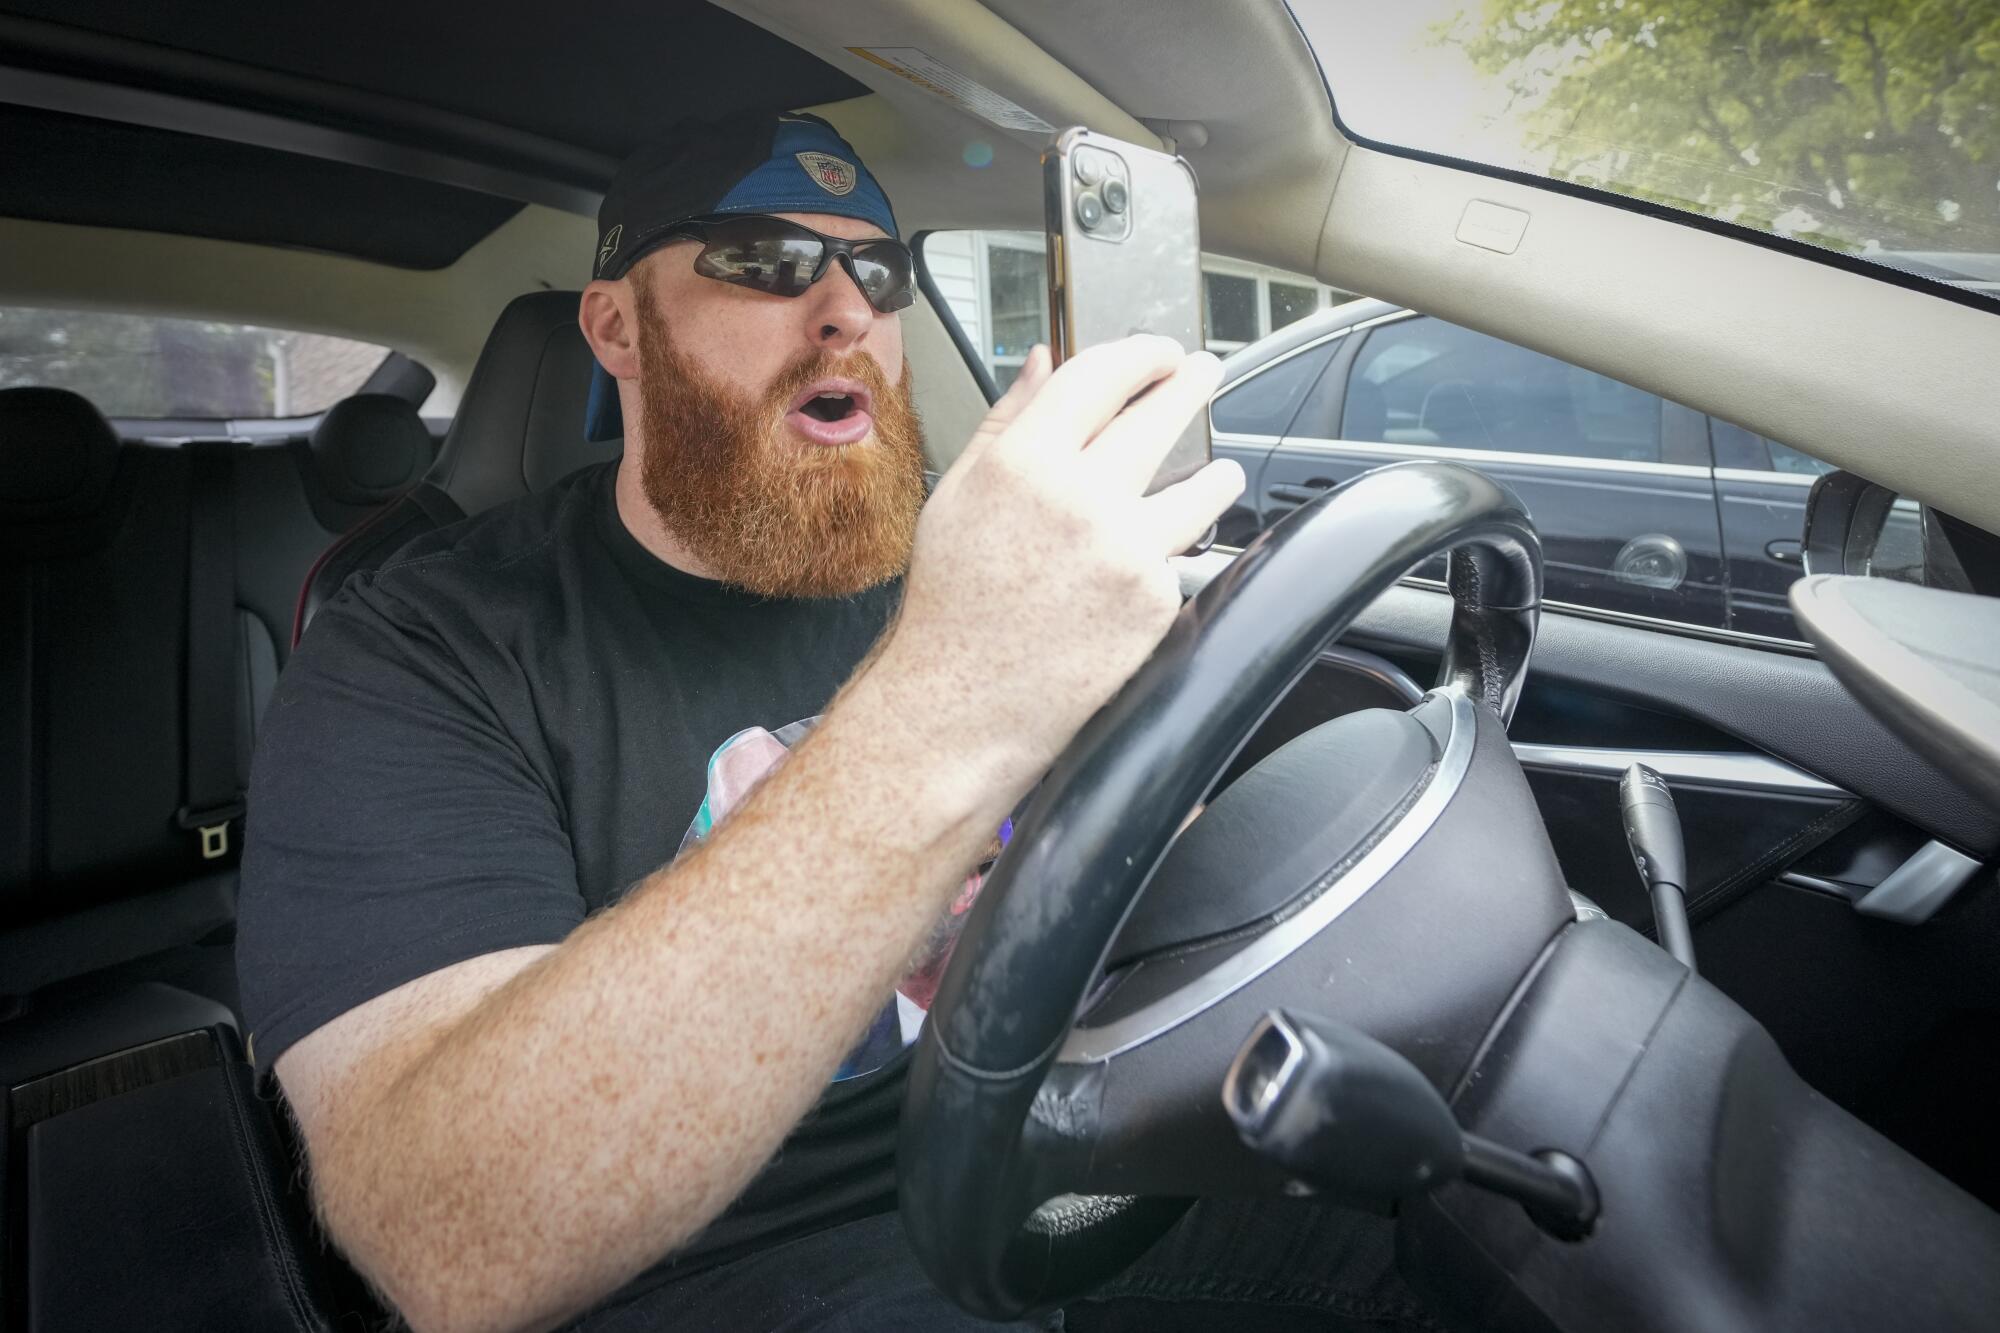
(1267, 842)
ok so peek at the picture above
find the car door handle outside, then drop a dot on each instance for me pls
(1298, 495)
(1786, 551)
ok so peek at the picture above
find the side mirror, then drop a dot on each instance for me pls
(1845, 515)
(1855, 526)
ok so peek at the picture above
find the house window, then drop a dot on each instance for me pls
(1017, 308)
(1288, 301)
(1232, 309)
(995, 286)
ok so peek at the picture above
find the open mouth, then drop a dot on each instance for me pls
(832, 400)
(828, 406)
(833, 411)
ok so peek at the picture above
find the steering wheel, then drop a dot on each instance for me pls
(1063, 1103)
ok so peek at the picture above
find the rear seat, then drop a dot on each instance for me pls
(295, 501)
(518, 430)
(144, 1181)
(92, 603)
(127, 1110)
(94, 587)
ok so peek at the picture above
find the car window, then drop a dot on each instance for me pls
(149, 366)
(1421, 381)
(994, 285)
(1264, 403)
(1614, 477)
(1738, 448)
(1784, 458)
(1863, 130)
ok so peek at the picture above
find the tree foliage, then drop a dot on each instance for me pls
(1859, 124)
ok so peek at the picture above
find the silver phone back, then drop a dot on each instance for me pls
(1135, 271)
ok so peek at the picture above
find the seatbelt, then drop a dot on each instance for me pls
(210, 790)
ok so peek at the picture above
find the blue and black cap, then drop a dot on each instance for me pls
(754, 162)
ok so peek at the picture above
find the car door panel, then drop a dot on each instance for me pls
(1244, 519)
(1597, 519)
(1250, 414)
(1617, 480)
(1763, 518)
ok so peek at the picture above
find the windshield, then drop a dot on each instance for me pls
(145, 366)
(1867, 127)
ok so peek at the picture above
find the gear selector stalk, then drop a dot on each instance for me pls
(1653, 832)
(1343, 1113)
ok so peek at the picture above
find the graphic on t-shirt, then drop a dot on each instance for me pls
(734, 770)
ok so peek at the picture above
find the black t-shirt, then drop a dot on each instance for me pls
(499, 733)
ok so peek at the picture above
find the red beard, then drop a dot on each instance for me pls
(760, 508)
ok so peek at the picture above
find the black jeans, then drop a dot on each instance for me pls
(1282, 1266)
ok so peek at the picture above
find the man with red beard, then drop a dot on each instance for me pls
(593, 839)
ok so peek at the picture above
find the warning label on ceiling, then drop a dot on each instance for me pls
(941, 80)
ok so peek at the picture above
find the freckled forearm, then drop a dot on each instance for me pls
(610, 1100)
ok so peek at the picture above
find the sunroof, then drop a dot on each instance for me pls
(589, 85)
(63, 168)
(606, 76)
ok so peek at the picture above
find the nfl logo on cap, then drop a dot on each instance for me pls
(828, 172)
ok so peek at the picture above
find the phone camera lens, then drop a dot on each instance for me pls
(1115, 195)
(1089, 167)
(1089, 209)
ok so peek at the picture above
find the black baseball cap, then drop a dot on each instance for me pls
(752, 162)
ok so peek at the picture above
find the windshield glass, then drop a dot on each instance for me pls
(1868, 127)
(146, 366)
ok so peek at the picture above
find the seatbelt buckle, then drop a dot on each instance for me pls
(211, 826)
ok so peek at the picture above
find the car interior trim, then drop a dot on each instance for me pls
(1086, 1045)
(1464, 455)
(233, 124)
(1919, 658)
(927, 284)
(1701, 768)
(1916, 889)
(1831, 887)
(1376, 668)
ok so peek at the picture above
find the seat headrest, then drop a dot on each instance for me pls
(57, 454)
(370, 447)
(519, 427)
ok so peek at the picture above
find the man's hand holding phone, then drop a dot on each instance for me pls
(1041, 577)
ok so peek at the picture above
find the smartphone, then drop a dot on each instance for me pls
(1124, 257)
